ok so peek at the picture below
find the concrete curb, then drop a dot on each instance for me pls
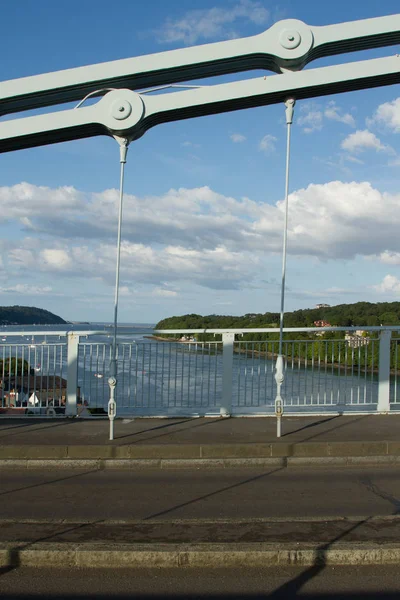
(223, 451)
(201, 520)
(198, 463)
(203, 555)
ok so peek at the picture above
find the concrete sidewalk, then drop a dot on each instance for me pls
(200, 441)
(257, 543)
(328, 530)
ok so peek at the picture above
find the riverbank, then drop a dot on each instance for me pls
(273, 356)
(158, 338)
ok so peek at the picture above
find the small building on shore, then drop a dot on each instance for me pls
(357, 339)
(34, 390)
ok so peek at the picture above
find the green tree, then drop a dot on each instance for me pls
(373, 321)
(11, 367)
(389, 318)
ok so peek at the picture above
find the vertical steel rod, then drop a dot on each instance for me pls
(279, 376)
(289, 120)
(112, 381)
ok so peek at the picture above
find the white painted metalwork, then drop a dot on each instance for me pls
(287, 45)
(279, 375)
(195, 377)
(285, 48)
(34, 376)
(126, 114)
(384, 371)
(112, 380)
(227, 364)
(72, 373)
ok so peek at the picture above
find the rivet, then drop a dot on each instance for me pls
(290, 39)
(121, 109)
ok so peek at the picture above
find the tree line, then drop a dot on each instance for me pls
(322, 347)
(360, 314)
(28, 315)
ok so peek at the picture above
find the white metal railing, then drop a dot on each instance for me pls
(45, 372)
(318, 374)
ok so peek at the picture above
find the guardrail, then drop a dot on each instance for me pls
(200, 372)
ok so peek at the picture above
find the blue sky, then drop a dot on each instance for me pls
(202, 229)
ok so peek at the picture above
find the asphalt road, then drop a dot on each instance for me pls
(202, 494)
(347, 583)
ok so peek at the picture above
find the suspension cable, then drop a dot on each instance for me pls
(112, 381)
(289, 120)
(279, 367)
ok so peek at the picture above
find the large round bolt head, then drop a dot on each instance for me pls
(290, 39)
(112, 381)
(120, 109)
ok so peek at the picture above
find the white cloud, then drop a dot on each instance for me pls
(24, 288)
(21, 257)
(212, 23)
(336, 220)
(390, 258)
(165, 293)
(201, 236)
(267, 144)
(24, 200)
(27, 223)
(364, 140)
(56, 258)
(333, 112)
(237, 138)
(389, 285)
(217, 268)
(352, 159)
(387, 115)
(188, 144)
(124, 290)
(310, 118)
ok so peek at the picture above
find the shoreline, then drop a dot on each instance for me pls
(158, 338)
(270, 355)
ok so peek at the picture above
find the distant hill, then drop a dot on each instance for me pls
(342, 315)
(28, 315)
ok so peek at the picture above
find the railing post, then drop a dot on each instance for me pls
(72, 373)
(341, 401)
(227, 370)
(384, 371)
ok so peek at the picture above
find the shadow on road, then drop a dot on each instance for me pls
(48, 424)
(292, 587)
(210, 494)
(335, 427)
(195, 424)
(43, 483)
(195, 596)
(309, 425)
